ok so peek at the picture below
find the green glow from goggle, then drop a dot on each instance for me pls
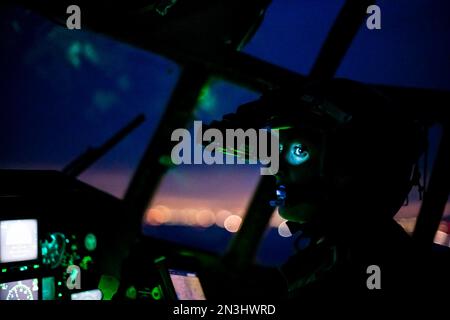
(228, 153)
(232, 152)
(282, 128)
(162, 258)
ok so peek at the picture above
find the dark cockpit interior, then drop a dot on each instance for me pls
(92, 206)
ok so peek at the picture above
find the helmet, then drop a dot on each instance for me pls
(361, 135)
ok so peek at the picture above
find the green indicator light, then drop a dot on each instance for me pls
(90, 242)
(60, 295)
(67, 240)
(4, 270)
(131, 293)
(156, 293)
(36, 266)
(166, 161)
(23, 268)
(59, 283)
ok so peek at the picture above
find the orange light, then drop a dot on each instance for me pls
(204, 218)
(233, 223)
(158, 215)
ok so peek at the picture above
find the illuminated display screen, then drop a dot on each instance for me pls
(20, 290)
(18, 240)
(87, 295)
(48, 288)
(187, 285)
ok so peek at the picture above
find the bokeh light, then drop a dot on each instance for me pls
(233, 223)
(158, 215)
(205, 218)
(283, 230)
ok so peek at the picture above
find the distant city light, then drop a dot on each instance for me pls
(205, 218)
(233, 223)
(158, 215)
(189, 217)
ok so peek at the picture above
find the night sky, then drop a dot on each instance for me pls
(62, 91)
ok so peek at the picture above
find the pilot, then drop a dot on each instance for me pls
(346, 158)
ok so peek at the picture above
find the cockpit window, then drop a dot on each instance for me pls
(409, 212)
(293, 32)
(64, 91)
(203, 205)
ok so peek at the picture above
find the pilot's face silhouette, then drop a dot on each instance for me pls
(300, 172)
